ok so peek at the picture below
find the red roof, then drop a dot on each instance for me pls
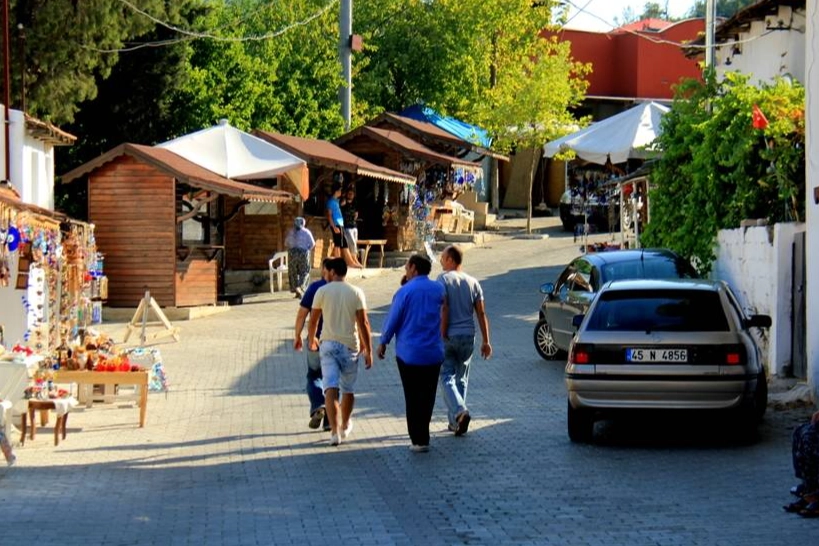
(183, 170)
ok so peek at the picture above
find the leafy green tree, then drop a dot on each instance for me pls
(288, 82)
(725, 8)
(65, 45)
(651, 10)
(717, 170)
(483, 62)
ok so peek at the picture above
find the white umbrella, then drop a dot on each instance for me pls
(616, 138)
(232, 153)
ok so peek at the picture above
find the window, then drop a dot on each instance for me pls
(659, 311)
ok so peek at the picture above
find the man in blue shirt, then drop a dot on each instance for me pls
(315, 391)
(415, 320)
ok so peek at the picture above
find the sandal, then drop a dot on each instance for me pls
(811, 510)
(796, 506)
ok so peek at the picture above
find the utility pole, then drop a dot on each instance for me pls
(345, 54)
(710, 31)
(6, 88)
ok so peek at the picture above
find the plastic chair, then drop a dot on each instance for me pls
(278, 266)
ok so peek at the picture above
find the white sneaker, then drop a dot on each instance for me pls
(419, 449)
(347, 431)
(334, 440)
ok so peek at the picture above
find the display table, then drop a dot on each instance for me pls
(364, 246)
(86, 380)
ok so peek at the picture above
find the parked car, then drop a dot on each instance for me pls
(664, 344)
(577, 285)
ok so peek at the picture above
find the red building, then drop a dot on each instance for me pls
(636, 62)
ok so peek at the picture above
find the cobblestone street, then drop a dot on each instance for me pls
(226, 457)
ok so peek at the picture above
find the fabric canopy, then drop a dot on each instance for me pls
(234, 154)
(461, 129)
(616, 139)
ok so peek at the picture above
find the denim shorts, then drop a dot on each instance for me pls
(339, 366)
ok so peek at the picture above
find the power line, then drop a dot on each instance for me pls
(194, 35)
(661, 40)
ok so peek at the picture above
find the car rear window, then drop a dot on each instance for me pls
(659, 311)
(646, 269)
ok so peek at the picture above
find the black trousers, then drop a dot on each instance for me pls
(420, 384)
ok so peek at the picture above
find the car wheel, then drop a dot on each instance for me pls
(580, 424)
(545, 341)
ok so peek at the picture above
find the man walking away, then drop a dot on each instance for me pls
(345, 335)
(315, 393)
(415, 320)
(464, 297)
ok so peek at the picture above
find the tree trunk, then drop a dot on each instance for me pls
(532, 171)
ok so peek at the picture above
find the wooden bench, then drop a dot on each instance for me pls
(364, 247)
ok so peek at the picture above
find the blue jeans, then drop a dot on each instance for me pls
(455, 374)
(315, 392)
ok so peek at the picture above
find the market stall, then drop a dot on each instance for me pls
(370, 182)
(408, 215)
(605, 150)
(162, 222)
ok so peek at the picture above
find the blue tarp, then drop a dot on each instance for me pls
(460, 129)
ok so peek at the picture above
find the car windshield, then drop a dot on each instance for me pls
(664, 268)
(658, 311)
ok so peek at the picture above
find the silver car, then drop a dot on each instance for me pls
(664, 344)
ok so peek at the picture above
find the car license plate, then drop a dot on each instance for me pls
(656, 355)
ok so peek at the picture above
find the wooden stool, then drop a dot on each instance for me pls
(43, 406)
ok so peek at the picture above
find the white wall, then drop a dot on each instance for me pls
(757, 263)
(765, 53)
(811, 183)
(32, 163)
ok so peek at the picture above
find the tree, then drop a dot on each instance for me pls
(66, 45)
(725, 8)
(651, 10)
(717, 170)
(483, 62)
(287, 82)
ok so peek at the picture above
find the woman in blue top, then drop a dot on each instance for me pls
(415, 320)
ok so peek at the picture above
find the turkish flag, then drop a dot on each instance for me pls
(758, 119)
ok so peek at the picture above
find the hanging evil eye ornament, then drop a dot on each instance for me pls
(12, 238)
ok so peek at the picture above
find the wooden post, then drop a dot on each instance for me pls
(140, 322)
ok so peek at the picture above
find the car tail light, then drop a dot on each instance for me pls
(580, 354)
(735, 355)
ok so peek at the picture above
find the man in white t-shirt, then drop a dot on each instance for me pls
(345, 335)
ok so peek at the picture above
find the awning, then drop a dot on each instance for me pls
(326, 154)
(10, 198)
(184, 171)
(404, 144)
(237, 155)
(478, 139)
(615, 139)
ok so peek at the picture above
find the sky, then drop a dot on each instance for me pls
(599, 15)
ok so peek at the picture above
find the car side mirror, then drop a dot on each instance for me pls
(758, 321)
(547, 288)
(577, 320)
